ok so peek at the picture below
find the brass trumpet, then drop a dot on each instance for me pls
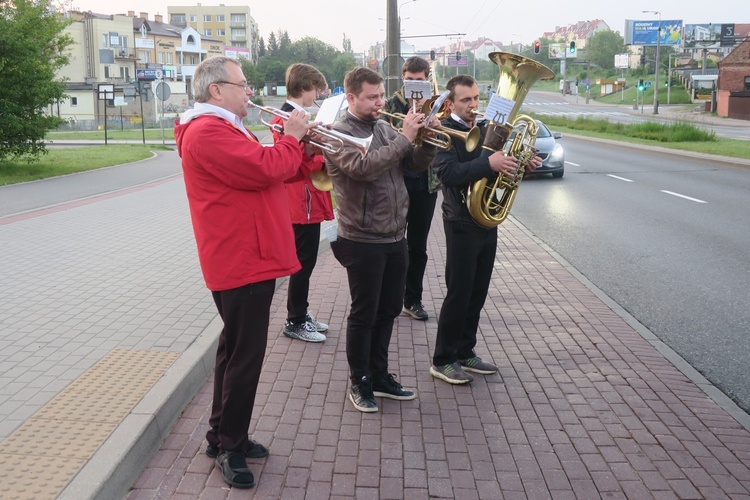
(337, 139)
(443, 135)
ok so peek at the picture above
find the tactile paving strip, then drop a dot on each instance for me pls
(43, 455)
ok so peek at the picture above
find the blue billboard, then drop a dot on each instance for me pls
(646, 32)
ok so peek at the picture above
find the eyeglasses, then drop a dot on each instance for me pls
(243, 86)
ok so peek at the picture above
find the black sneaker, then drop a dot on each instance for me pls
(476, 365)
(387, 387)
(416, 311)
(452, 373)
(362, 397)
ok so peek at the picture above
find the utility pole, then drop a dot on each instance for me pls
(657, 63)
(392, 49)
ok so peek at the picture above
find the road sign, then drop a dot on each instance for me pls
(338, 90)
(647, 84)
(163, 91)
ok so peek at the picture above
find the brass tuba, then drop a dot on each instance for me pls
(516, 137)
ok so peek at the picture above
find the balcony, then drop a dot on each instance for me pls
(124, 54)
(238, 24)
(238, 38)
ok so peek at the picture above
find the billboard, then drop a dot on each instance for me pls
(708, 36)
(646, 32)
(560, 50)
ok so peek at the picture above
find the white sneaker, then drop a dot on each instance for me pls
(319, 327)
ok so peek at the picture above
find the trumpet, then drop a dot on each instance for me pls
(443, 135)
(337, 139)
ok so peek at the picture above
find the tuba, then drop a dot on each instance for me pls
(487, 205)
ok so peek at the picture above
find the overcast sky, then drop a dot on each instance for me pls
(504, 21)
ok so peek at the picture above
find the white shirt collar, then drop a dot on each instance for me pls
(224, 113)
(459, 119)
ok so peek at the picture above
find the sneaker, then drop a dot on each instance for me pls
(387, 387)
(452, 373)
(416, 311)
(362, 397)
(319, 327)
(303, 331)
(476, 365)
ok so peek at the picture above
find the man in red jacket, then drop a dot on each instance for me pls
(238, 206)
(309, 207)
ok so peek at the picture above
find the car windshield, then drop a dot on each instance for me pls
(543, 130)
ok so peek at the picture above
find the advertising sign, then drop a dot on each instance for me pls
(149, 74)
(708, 36)
(560, 50)
(453, 62)
(646, 32)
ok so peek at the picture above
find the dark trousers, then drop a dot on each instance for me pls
(239, 358)
(376, 275)
(470, 258)
(418, 222)
(307, 240)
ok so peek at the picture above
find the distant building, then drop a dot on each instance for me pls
(733, 87)
(232, 24)
(580, 32)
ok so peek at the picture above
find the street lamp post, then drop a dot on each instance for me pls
(656, 63)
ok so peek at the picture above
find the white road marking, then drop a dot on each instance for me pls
(683, 196)
(571, 163)
(620, 178)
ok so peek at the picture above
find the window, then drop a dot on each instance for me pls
(193, 18)
(178, 19)
(144, 56)
(207, 18)
(238, 18)
(161, 58)
(220, 18)
(747, 83)
(74, 101)
(221, 32)
(105, 41)
(106, 72)
(207, 32)
(144, 32)
(125, 73)
(169, 58)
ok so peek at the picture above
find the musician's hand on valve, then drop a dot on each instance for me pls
(503, 164)
(411, 124)
(298, 124)
(434, 123)
(533, 164)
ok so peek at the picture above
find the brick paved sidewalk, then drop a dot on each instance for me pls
(588, 407)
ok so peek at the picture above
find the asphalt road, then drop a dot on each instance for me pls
(666, 237)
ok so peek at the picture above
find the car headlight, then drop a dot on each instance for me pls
(557, 153)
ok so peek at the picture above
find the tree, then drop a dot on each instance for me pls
(285, 43)
(602, 47)
(347, 45)
(261, 48)
(273, 46)
(34, 47)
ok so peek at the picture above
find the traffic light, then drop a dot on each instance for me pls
(572, 47)
(458, 55)
(641, 86)
(643, 57)
(537, 47)
(432, 55)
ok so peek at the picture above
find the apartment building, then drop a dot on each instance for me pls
(123, 50)
(231, 24)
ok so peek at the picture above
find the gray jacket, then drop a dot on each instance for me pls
(371, 196)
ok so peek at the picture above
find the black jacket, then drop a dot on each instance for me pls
(457, 169)
(397, 103)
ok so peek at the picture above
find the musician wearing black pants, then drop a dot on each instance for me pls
(470, 247)
(421, 200)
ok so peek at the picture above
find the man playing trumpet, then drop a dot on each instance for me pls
(308, 205)
(372, 205)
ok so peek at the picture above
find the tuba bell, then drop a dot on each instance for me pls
(487, 206)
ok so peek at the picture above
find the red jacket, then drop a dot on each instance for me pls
(307, 204)
(238, 204)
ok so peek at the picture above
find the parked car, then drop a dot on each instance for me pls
(550, 151)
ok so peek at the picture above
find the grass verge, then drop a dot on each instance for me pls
(681, 136)
(70, 160)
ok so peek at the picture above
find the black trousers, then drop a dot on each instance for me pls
(307, 240)
(239, 358)
(470, 258)
(376, 274)
(418, 222)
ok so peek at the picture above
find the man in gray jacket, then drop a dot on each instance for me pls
(372, 205)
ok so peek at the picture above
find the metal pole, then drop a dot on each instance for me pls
(392, 48)
(669, 78)
(657, 65)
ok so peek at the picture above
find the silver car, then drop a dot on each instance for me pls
(550, 151)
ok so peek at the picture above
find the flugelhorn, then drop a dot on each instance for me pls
(443, 135)
(337, 138)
